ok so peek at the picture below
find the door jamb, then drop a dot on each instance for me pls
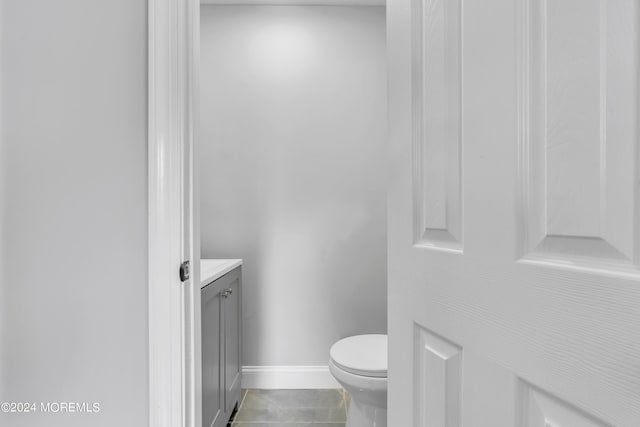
(174, 307)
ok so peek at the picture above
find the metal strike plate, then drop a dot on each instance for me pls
(184, 271)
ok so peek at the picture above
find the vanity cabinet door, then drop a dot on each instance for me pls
(232, 319)
(212, 375)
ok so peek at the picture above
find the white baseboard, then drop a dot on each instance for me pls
(287, 377)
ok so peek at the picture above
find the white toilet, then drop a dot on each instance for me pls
(359, 363)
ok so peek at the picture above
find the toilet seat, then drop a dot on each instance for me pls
(364, 355)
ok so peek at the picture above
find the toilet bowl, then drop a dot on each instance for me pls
(359, 364)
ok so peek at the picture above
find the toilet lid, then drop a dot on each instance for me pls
(364, 355)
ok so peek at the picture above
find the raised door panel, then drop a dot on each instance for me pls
(212, 379)
(438, 380)
(540, 409)
(437, 135)
(579, 141)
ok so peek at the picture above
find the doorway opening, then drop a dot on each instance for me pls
(291, 152)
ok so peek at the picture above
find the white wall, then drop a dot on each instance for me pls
(74, 81)
(293, 171)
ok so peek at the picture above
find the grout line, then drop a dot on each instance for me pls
(233, 421)
(242, 400)
(346, 408)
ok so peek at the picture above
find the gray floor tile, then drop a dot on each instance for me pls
(292, 407)
(291, 415)
(287, 425)
(293, 398)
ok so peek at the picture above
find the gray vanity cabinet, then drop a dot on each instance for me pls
(221, 348)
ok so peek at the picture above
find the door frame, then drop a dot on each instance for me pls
(174, 307)
(175, 365)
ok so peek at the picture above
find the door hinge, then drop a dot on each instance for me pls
(184, 271)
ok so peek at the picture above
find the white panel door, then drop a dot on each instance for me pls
(514, 235)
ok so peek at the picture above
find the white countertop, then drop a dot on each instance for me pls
(212, 269)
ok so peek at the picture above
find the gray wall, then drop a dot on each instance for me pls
(2, 204)
(292, 160)
(73, 163)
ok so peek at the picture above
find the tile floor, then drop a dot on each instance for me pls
(291, 408)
